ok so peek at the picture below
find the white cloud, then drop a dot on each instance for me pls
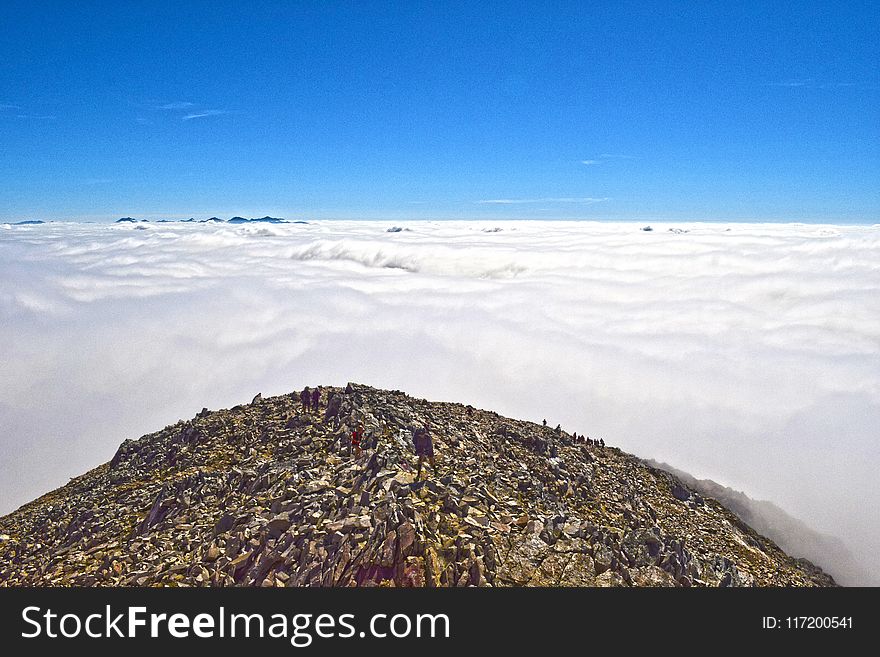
(749, 354)
(810, 83)
(517, 201)
(179, 105)
(204, 113)
(792, 83)
(606, 156)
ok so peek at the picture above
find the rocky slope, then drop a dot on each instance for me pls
(266, 495)
(789, 533)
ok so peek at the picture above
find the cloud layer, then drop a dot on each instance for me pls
(748, 354)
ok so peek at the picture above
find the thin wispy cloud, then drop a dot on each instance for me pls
(839, 85)
(9, 106)
(811, 83)
(565, 199)
(606, 156)
(41, 117)
(178, 105)
(808, 82)
(205, 113)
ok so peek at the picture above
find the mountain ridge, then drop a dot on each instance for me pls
(268, 494)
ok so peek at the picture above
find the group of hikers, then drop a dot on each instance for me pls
(310, 399)
(422, 441)
(421, 434)
(580, 439)
(589, 441)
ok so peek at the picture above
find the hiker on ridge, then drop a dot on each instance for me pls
(424, 447)
(306, 398)
(357, 435)
(316, 398)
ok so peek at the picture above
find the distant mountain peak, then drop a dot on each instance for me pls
(267, 219)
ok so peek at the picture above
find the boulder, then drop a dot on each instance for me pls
(679, 492)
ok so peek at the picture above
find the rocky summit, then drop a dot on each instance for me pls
(269, 494)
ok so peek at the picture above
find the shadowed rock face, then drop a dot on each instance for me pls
(268, 495)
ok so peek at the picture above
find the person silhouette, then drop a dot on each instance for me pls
(424, 448)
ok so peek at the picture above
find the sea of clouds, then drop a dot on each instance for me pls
(744, 353)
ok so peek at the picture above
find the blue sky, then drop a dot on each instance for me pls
(606, 110)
